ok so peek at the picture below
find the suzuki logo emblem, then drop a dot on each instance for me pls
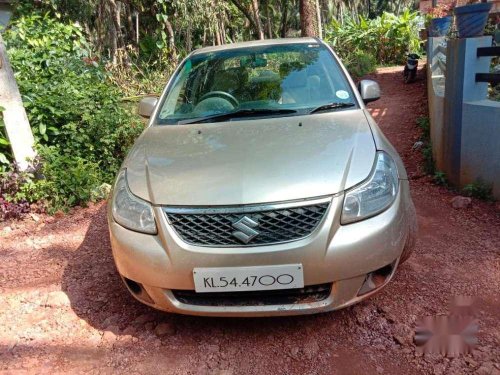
(245, 232)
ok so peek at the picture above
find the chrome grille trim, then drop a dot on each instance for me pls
(243, 209)
(278, 222)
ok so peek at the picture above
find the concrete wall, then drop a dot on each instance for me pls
(480, 149)
(465, 126)
(436, 52)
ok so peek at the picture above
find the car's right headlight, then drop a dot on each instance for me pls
(374, 195)
(130, 211)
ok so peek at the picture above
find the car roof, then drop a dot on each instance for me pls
(256, 43)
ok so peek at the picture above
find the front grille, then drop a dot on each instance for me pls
(262, 226)
(308, 294)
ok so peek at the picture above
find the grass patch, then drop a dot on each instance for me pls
(478, 189)
(439, 178)
(424, 124)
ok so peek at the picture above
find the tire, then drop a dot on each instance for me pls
(410, 75)
(409, 247)
(411, 239)
(406, 74)
(413, 74)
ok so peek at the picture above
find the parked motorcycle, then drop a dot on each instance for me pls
(410, 71)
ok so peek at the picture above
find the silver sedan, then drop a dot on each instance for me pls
(261, 186)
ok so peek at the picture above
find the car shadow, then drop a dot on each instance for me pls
(98, 296)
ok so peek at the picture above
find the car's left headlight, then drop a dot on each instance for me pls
(130, 211)
(375, 194)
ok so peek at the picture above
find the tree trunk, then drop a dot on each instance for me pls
(116, 32)
(189, 38)
(137, 28)
(318, 13)
(284, 18)
(130, 24)
(171, 41)
(113, 43)
(222, 30)
(217, 38)
(230, 30)
(258, 23)
(249, 17)
(100, 35)
(268, 20)
(308, 18)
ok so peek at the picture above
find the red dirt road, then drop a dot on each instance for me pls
(63, 308)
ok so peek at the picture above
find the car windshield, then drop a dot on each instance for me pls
(261, 81)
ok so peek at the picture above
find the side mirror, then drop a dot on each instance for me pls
(147, 106)
(369, 90)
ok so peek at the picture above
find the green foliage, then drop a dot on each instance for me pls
(388, 37)
(80, 125)
(424, 123)
(440, 178)
(69, 100)
(359, 64)
(42, 45)
(478, 189)
(68, 180)
(63, 181)
(12, 203)
(429, 166)
(136, 81)
(5, 152)
(494, 89)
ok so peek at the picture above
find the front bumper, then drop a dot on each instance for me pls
(339, 254)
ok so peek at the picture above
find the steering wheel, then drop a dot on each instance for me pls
(221, 94)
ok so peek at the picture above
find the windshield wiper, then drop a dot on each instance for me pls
(330, 106)
(238, 114)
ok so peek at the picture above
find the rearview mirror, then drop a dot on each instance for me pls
(369, 90)
(147, 106)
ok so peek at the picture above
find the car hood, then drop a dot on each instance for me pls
(251, 161)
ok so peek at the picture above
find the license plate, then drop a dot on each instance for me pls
(235, 279)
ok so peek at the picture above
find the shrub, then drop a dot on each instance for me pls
(81, 127)
(478, 189)
(424, 123)
(360, 63)
(440, 178)
(12, 204)
(67, 180)
(429, 164)
(388, 38)
(69, 99)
